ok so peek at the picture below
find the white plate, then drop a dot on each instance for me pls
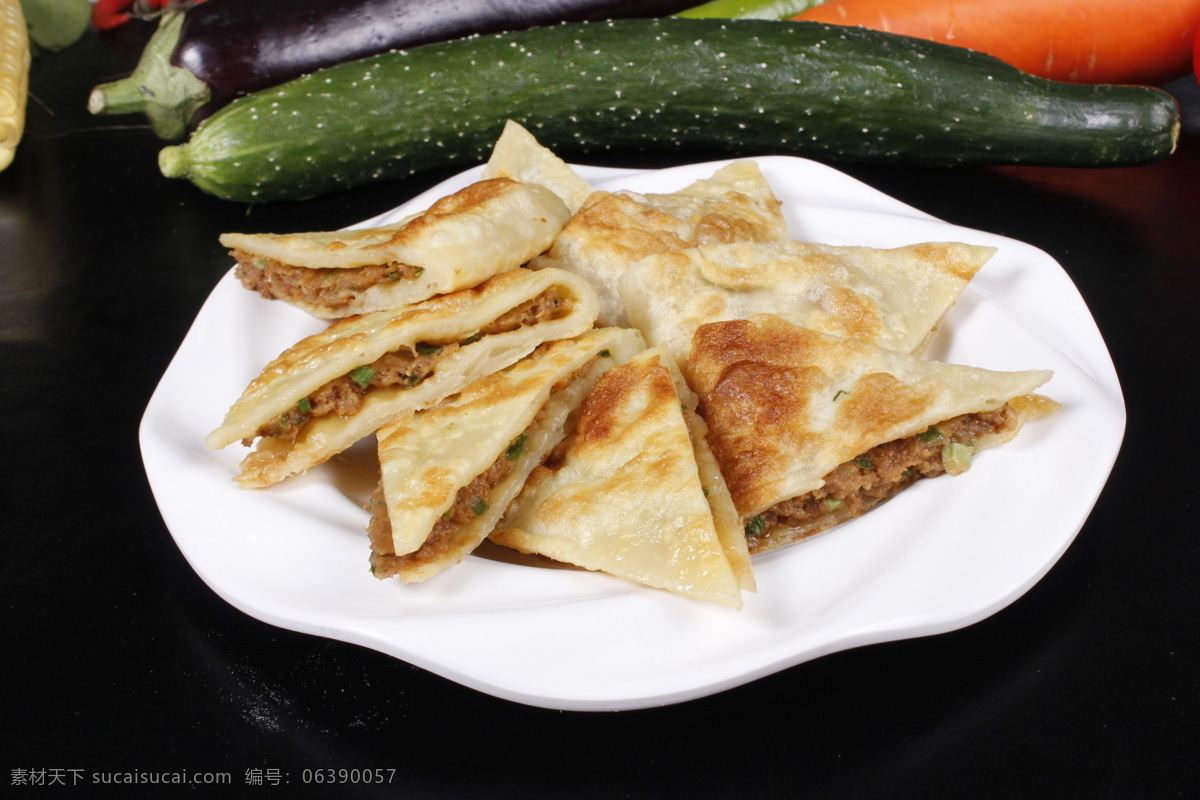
(942, 555)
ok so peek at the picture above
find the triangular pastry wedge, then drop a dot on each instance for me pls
(335, 387)
(811, 430)
(614, 229)
(461, 240)
(449, 472)
(627, 493)
(892, 297)
(519, 156)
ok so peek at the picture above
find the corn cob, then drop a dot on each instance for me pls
(14, 78)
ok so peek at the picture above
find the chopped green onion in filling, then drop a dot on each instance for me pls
(517, 447)
(427, 349)
(363, 375)
(956, 458)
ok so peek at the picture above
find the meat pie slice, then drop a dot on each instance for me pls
(482, 230)
(893, 297)
(811, 430)
(338, 386)
(449, 472)
(614, 229)
(518, 155)
(634, 492)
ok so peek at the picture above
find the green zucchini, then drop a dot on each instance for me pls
(746, 86)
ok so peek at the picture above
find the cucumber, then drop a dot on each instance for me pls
(746, 86)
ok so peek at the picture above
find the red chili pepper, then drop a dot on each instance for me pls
(1196, 58)
(109, 14)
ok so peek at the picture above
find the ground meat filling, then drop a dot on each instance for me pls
(327, 287)
(470, 502)
(343, 396)
(406, 367)
(546, 307)
(855, 487)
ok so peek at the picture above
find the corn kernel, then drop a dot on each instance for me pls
(14, 78)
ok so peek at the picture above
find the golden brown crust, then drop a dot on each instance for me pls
(467, 200)
(950, 259)
(878, 403)
(605, 411)
(785, 405)
(753, 410)
(892, 297)
(627, 494)
(614, 229)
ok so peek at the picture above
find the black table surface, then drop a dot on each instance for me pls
(122, 662)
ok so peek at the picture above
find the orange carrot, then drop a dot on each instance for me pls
(1081, 41)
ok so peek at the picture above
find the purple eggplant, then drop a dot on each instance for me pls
(202, 59)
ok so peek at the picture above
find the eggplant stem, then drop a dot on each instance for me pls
(169, 96)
